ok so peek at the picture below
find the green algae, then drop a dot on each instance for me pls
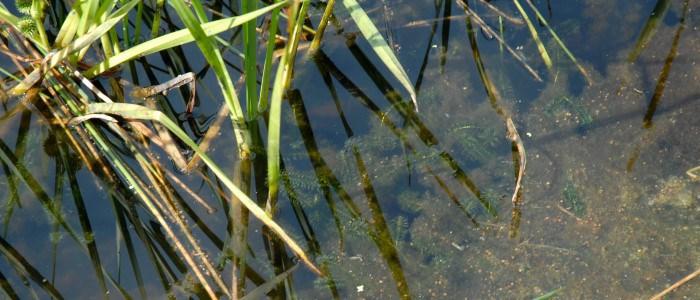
(572, 199)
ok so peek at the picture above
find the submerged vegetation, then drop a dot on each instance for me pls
(206, 149)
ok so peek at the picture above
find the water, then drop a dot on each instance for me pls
(418, 205)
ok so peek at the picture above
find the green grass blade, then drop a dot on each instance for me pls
(216, 62)
(535, 36)
(52, 59)
(176, 38)
(380, 46)
(282, 81)
(7, 16)
(561, 43)
(155, 25)
(134, 111)
(68, 29)
(250, 47)
(316, 42)
(267, 66)
(652, 24)
(273, 132)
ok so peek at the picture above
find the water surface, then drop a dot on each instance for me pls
(396, 203)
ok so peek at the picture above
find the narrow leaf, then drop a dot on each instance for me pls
(134, 111)
(176, 38)
(380, 46)
(536, 37)
(52, 59)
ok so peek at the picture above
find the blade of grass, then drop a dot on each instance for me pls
(549, 295)
(7, 16)
(485, 27)
(535, 36)
(250, 47)
(68, 29)
(123, 234)
(561, 44)
(316, 42)
(176, 38)
(267, 67)
(656, 16)
(52, 59)
(216, 62)
(282, 77)
(155, 25)
(380, 46)
(134, 111)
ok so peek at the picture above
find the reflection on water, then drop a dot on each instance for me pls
(394, 203)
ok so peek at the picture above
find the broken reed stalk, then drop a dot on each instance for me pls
(676, 285)
(515, 138)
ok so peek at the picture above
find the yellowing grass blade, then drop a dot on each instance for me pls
(380, 46)
(536, 37)
(52, 59)
(134, 111)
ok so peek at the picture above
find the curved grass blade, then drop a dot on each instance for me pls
(176, 38)
(134, 111)
(52, 59)
(380, 46)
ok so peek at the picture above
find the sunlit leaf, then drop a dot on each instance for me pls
(134, 111)
(380, 46)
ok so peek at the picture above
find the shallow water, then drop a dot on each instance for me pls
(418, 205)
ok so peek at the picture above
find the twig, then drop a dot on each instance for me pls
(676, 285)
(692, 173)
(567, 212)
(515, 138)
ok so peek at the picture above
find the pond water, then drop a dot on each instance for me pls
(395, 203)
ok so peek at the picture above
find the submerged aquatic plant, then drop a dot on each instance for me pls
(71, 72)
(55, 73)
(572, 200)
(570, 108)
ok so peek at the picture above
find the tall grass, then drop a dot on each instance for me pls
(69, 72)
(90, 30)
